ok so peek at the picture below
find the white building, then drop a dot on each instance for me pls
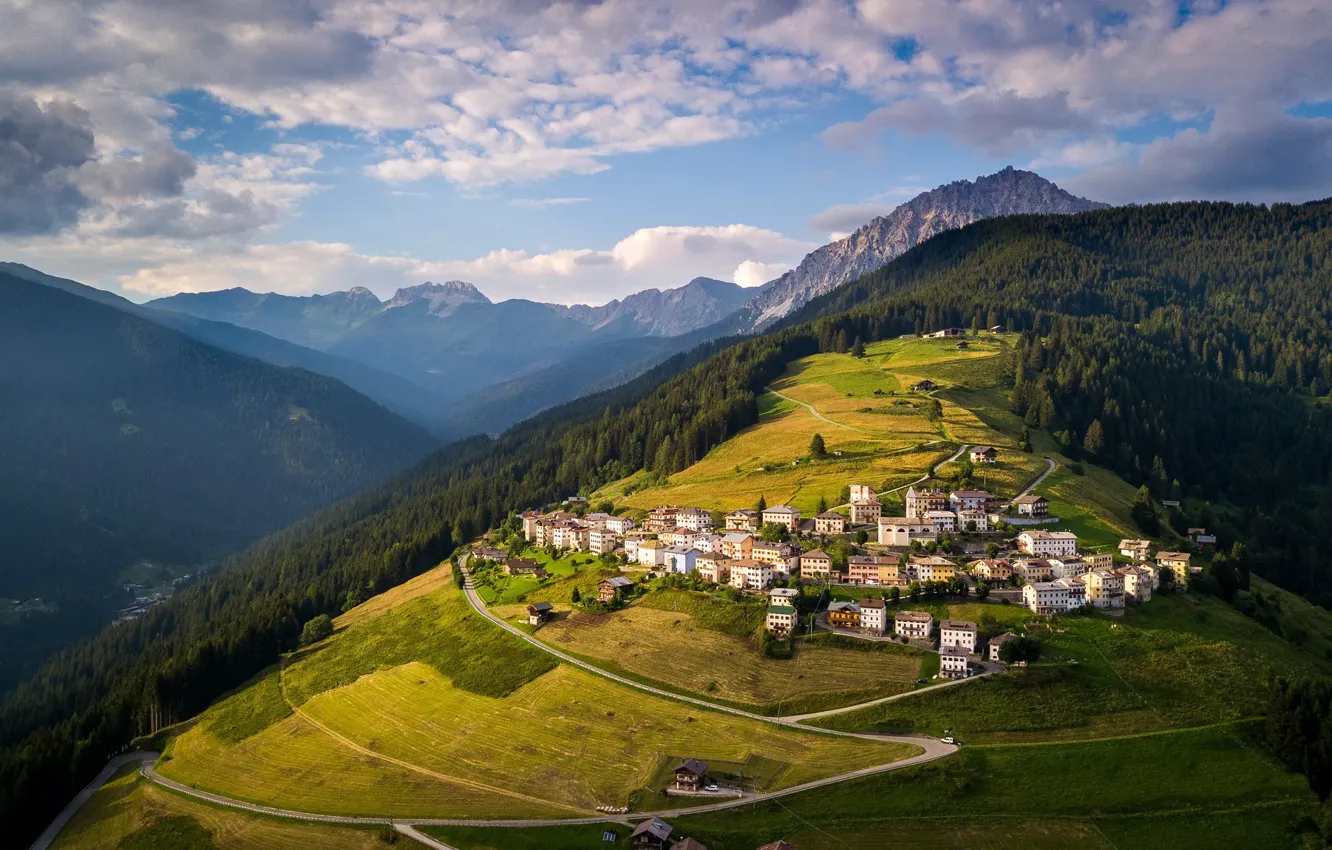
(781, 619)
(952, 663)
(694, 519)
(958, 633)
(942, 520)
(863, 493)
(866, 511)
(1139, 582)
(651, 553)
(602, 541)
(966, 518)
(1138, 550)
(782, 515)
(596, 520)
(1048, 544)
(914, 624)
(1051, 597)
(873, 615)
(1105, 588)
(708, 542)
(679, 559)
(620, 524)
(1067, 567)
(783, 596)
(900, 531)
(748, 574)
(968, 500)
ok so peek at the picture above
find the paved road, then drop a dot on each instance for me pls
(817, 415)
(1044, 475)
(44, 840)
(926, 477)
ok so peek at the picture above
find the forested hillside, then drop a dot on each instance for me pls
(1135, 320)
(124, 440)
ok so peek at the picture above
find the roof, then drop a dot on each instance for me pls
(736, 537)
(743, 512)
(776, 509)
(952, 652)
(933, 561)
(617, 581)
(971, 494)
(1134, 543)
(780, 609)
(843, 606)
(983, 450)
(694, 766)
(815, 553)
(1172, 556)
(540, 606)
(1029, 499)
(904, 520)
(958, 625)
(864, 502)
(829, 515)
(688, 844)
(656, 827)
(1000, 640)
(681, 550)
(873, 603)
(914, 616)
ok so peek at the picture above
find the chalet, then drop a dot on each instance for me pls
(490, 553)
(539, 612)
(1048, 543)
(742, 520)
(782, 515)
(1031, 505)
(973, 521)
(952, 663)
(1034, 569)
(680, 559)
(933, 568)
(748, 574)
(866, 511)
(713, 567)
(970, 500)
(844, 615)
(992, 569)
(781, 619)
(652, 834)
(1105, 588)
(690, 775)
(1138, 550)
(519, 566)
(815, 565)
(920, 501)
(873, 615)
(737, 545)
(829, 522)
(1177, 563)
(924, 386)
(984, 454)
(608, 589)
(1202, 539)
(997, 644)
(900, 531)
(958, 633)
(862, 492)
(943, 521)
(914, 624)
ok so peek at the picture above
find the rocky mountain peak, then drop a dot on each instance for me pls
(443, 298)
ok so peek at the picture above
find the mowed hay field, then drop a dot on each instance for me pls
(670, 648)
(430, 711)
(125, 811)
(885, 440)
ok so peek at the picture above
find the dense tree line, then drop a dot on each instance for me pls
(1134, 322)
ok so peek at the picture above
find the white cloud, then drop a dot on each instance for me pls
(752, 273)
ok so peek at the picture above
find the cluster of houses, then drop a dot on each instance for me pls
(657, 834)
(930, 513)
(957, 638)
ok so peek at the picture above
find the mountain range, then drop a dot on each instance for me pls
(479, 366)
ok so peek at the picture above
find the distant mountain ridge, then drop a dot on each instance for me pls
(953, 205)
(670, 312)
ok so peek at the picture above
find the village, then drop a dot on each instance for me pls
(963, 543)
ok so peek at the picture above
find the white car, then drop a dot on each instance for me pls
(948, 739)
(711, 788)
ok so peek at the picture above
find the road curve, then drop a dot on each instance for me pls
(926, 477)
(1039, 478)
(817, 415)
(44, 840)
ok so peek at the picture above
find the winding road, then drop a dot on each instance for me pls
(1039, 478)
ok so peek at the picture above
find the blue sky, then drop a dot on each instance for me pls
(579, 152)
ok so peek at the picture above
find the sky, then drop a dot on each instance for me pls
(577, 152)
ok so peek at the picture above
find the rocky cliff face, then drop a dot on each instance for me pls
(1009, 192)
(443, 299)
(654, 312)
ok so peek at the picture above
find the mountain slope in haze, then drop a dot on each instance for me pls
(671, 312)
(954, 205)
(127, 440)
(316, 321)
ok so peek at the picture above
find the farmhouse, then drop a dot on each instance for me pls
(952, 663)
(969, 500)
(984, 454)
(782, 515)
(490, 553)
(608, 589)
(1032, 506)
(866, 511)
(748, 574)
(900, 531)
(992, 569)
(1177, 563)
(1138, 550)
(781, 619)
(815, 565)
(680, 559)
(958, 633)
(690, 775)
(932, 568)
(742, 520)
(873, 615)
(694, 519)
(520, 566)
(914, 624)
(830, 522)
(654, 834)
(539, 612)
(844, 615)
(920, 501)
(1048, 543)
(997, 644)
(737, 545)
(713, 567)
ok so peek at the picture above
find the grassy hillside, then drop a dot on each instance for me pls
(423, 709)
